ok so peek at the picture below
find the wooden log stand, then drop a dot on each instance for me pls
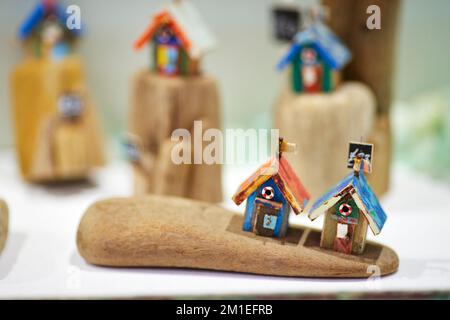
(51, 148)
(160, 105)
(158, 231)
(372, 64)
(322, 125)
(4, 221)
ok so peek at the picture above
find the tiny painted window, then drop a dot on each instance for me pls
(268, 193)
(270, 221)
(346, 211)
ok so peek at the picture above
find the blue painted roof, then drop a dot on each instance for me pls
(368, 198)
(333, 191)
(39, 13)
(370, 201)
(324, 41)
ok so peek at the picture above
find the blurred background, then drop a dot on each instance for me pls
(244, 64)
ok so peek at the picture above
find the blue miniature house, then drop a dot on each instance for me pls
(316, 57)
(350, 206)
(47, 23)
(271, 192)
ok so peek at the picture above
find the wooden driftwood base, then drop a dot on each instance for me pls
(161, 105)
(51, 148)
(322, 125)
(158, 231)
(3, 224)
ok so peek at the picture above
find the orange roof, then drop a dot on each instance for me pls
(161, 19)
(284, 177)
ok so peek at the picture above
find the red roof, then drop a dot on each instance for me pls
(162, 18)
(285, 178)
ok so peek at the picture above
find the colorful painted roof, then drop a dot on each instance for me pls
(284, 177)
(187, 25)
(40, 12)
(363, 195)
(324, 41)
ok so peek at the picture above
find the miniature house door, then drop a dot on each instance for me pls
(265, 220)
(347, 214)
(311, 71)
(344, 238)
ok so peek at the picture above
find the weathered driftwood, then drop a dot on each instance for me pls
(322, 125)
(159, 106)
(372, 64)
(4, 220)
(157, 231)
(50, 148)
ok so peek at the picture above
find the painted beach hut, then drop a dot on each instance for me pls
(45, 32)
(316, 57)
(271, 192)
(350, 207)
(179, 39)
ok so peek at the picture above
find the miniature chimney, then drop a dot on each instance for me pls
(284, 146)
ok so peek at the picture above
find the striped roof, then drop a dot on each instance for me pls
(284, 177)
(363, 195)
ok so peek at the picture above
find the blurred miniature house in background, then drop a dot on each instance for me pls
(316, 57)
(179, 38)
(44, 32)
(56, 130)
(271, 192)
(171, 95)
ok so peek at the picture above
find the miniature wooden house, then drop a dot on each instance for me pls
(349, 208)
(271, 192)
(316, 57)
(44, 32)
(179, 39)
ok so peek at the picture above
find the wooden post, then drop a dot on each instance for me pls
(329, 231)
(3, 224)
(359, 237)
(372, 64)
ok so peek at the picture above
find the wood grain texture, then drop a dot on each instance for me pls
(46, 144)
(4, 221)
(322, 125)
(157, 231)
(373, 50)
(372, 64)
(159, 106)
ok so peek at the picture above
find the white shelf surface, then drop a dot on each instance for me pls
(40, 259)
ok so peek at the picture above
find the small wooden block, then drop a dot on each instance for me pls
(3, 224)
(158, 231)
